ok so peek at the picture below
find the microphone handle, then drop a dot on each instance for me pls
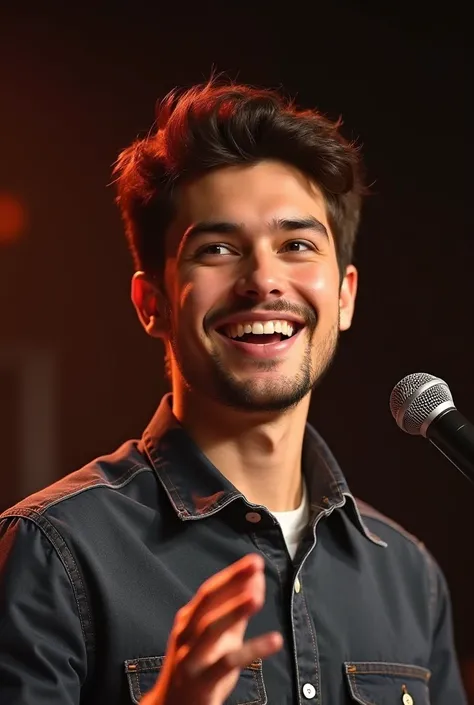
(453, 435)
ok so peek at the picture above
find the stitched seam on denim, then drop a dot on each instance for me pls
(315, 645)
(173, 493)
(123, 481)
(257, 676)
(172, 490)
(137, 686)
(51, 533)
(275, 565)
(156, 662)
(322, 457)
(263, 695)
(373, 514)
(391, 669)
(220, 504)
(131, 687)
(280, 580)
(40, 509)
(355, 691)
(361, 523)
(259, 701)
(147, 669)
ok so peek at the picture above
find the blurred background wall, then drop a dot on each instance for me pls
(77, 374)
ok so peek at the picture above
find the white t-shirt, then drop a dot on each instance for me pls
(294, 522)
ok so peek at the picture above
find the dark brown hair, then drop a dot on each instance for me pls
(224, 124)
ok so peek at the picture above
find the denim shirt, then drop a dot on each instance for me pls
(94, 568)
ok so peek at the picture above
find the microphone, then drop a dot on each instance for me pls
(422, 405)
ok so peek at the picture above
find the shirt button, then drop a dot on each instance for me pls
(297, 585)
(253, 517)
(309, 691)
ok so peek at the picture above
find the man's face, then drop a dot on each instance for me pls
(253, 298)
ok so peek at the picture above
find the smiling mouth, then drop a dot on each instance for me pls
(260, 332)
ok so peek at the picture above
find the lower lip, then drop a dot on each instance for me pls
(262, 351)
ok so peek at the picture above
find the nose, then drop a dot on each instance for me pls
(261, 278)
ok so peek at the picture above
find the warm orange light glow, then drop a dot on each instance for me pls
(13, 218)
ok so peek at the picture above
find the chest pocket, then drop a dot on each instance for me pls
(374, 683)
(143, 672)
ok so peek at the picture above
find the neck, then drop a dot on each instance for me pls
(260, 453)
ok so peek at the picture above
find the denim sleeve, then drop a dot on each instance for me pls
(446, 686)
(42, 649)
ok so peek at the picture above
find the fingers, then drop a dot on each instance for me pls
(231, 578)
(212, 626)
(206, 649)
(258, 648)
(243, 577)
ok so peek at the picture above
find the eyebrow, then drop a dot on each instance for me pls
(276, 224)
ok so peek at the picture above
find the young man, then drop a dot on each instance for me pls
(222, 558)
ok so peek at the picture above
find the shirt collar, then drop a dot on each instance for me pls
(196, 488)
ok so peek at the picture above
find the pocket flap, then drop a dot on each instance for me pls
(143, 672)
(380, 683)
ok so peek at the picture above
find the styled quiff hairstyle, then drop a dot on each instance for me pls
(226, 124)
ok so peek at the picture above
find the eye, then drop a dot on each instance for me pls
(217, 249)
(298, 246)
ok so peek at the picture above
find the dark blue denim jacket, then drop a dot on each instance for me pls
(94, 568)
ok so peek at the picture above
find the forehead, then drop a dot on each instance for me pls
(251, 194)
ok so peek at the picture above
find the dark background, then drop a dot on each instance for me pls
(78, 85)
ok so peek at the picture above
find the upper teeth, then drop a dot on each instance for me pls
(236, 330)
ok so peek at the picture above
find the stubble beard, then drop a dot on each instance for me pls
(273, 395)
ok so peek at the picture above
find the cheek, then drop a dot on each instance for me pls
(320, 288)
(197, 296)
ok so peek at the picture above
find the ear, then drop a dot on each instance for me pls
(149, 301)
(347, 297)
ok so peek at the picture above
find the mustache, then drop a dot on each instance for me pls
(306, 313)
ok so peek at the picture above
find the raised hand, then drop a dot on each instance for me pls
(206, 648)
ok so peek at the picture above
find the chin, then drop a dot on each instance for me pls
(262, 394)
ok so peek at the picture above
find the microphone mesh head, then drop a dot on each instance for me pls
(415, 398)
